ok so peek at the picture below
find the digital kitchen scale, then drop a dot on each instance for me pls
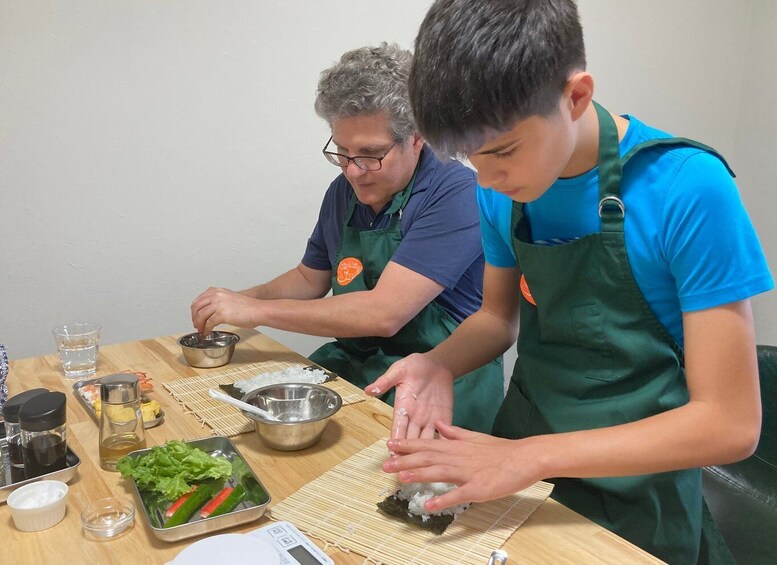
(292, 545)
(280, 543)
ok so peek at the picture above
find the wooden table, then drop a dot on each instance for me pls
(553, 534)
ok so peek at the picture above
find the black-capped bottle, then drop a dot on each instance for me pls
(13, 431)
(43, 423)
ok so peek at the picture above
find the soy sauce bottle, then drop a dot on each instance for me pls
(44, 434)
(13, 431)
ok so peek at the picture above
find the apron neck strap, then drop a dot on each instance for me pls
(400, 199)
(611, 209)
(609, 154)
(675, 141)
(398, 202)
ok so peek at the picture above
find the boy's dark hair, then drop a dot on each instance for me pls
(481, 65)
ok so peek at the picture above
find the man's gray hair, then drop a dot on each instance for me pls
(368, 81)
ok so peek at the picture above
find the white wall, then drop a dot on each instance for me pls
(756, 146)
(149, 149)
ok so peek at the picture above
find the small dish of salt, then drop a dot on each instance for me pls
(39, 505)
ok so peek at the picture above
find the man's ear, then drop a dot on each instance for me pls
(418, 142)
(578, 94)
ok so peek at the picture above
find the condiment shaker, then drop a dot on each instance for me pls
(121, 420)
(13, 431)
(42, 419)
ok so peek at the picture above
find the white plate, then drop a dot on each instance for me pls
(228, 548)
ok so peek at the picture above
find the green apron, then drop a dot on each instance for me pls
(592, 354)
(477, 395)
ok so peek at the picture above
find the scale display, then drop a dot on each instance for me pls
(292, 545)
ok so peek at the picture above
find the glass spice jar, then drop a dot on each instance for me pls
(121, 420)
(13, 431)
(44, 434)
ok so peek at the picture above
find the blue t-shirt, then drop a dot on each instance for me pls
(689, 240)
(439, 225)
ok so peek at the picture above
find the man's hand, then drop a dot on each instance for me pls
(423, 395)
(221, 306)
(484, 467)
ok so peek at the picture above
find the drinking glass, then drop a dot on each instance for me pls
(77, 345)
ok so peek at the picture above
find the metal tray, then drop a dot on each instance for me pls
(7, 487)
(90, 409)
(246, 511)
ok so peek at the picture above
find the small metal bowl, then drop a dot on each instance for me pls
(213, 350)
(303, 411)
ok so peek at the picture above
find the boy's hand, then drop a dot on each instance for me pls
(484, 467)
(423, 395)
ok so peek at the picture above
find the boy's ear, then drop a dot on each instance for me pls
(578, 93)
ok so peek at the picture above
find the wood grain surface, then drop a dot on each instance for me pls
(552, 534)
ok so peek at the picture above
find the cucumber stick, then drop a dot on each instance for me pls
(229, 503)
(200, 496)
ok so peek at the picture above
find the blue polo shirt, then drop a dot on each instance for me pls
(689, 240)
(440, 229)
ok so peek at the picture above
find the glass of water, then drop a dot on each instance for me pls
(77, 345)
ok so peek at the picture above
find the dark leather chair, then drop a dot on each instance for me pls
(742, 497)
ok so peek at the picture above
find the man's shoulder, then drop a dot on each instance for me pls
(335, 201)
(435, 174)
(339, 189)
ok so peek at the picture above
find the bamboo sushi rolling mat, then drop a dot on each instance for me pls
(223, 419)
(339, 508)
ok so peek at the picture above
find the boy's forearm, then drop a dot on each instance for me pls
(693, 435)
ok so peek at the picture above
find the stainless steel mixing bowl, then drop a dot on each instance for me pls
(213, 350)
(303, 409)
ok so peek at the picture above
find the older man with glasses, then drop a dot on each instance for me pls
(397, 242)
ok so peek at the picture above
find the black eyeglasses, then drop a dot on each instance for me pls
(361, 161)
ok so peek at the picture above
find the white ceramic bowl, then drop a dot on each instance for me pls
(38, 506)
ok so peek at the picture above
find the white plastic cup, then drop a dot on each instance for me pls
(77, 346)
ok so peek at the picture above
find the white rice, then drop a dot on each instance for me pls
(289, 375)
(418, 493)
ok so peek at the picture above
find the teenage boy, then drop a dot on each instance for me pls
(626, 258)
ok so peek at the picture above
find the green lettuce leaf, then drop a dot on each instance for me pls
(173, 468)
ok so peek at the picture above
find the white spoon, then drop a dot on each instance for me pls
(218, 395)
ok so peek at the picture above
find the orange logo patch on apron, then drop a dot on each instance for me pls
(348, 269)
(526, 292)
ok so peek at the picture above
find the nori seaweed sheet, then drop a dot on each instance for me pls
(235, 392)
(232, 391)
(398, 508)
